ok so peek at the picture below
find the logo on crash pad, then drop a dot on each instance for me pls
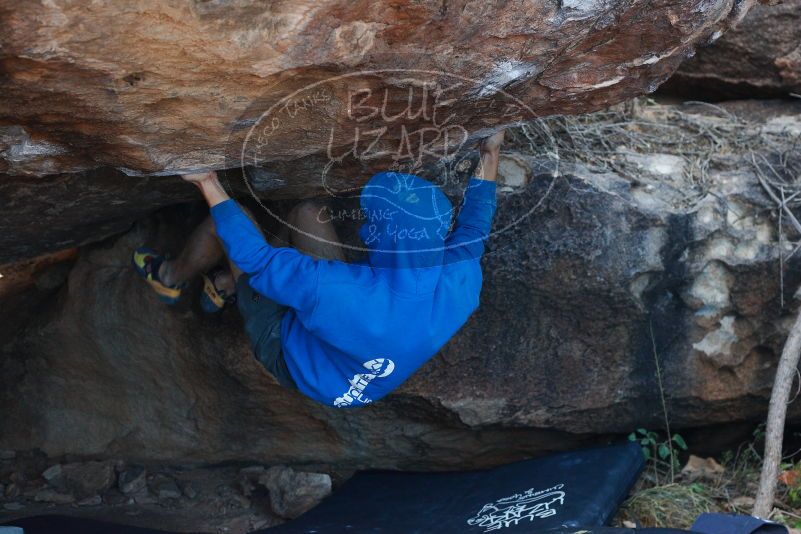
(514, 509)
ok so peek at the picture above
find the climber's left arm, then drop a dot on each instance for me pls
(474, 223)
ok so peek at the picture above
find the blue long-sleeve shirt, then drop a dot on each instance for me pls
(355, 332)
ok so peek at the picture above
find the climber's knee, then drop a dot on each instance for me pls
(306, 213)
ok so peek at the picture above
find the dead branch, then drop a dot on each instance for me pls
(774, 434)
(785, 374)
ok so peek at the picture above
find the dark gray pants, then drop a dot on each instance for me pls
(263, 326)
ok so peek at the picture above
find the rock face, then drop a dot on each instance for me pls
(293, 493)
(92, 95)
(51, 213)
(591, 279)
(760, 58)
(155, 87)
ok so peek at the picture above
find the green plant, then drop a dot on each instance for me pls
(793, 497)
(660, 452)
(759, 433)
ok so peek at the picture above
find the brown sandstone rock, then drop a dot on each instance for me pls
(760, 58)
(155, 87)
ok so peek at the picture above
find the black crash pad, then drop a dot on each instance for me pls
(557, 493)
(56, 524)
(575, 489)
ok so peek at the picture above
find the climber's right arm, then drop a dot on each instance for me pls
(282, 274)
(209, 185)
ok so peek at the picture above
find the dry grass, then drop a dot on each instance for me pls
(674, 505)
(704, 135)
(677, 505)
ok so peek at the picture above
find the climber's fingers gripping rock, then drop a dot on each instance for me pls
(493, 143)
(195, 178)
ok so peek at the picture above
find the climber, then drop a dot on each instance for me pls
(344, 334)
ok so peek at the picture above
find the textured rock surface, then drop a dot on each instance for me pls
(51, 213)
(559, 354)
(157, 86)
(760, 58)
(293, 493)
(211, 505)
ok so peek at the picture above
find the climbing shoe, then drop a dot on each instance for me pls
(147, 263)
(213, 299)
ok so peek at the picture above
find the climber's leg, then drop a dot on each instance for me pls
(201, 252)
(262, 317)
(312, 235)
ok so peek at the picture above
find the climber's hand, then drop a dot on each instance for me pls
(196, 178)
(490, 150)
(209, 185)
(492, 144)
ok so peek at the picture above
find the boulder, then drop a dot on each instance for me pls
(132, 480)
(52, 473)
(293, 493)
(163, 86)
(55, 212)
(88, 479)
(698, 468)
(52, 496)
(94, 500)
(761, 58)
(306, 97)
(592, 277)
(164, 487)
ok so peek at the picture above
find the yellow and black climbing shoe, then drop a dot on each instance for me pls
(213, 299)
(147, 263)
